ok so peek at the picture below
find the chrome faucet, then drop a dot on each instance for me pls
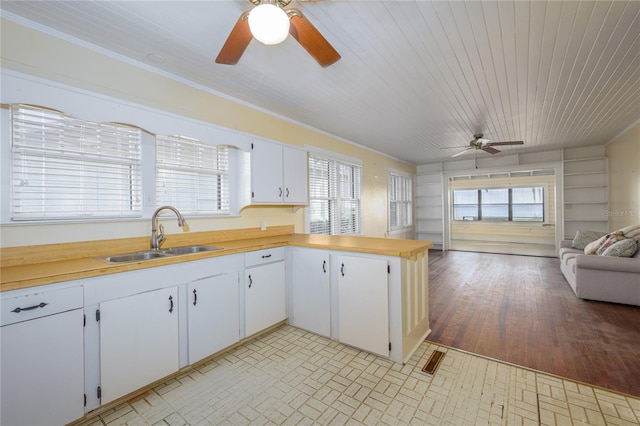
(157, 231)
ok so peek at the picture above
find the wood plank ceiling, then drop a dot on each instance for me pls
(417, 78)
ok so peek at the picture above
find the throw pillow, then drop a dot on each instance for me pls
(593, 247)
(611, 239)
(622, 248)
(637, 240)
(583, 238)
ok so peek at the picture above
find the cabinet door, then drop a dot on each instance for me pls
(265, 300)
(310, 291)
(363, 303)
(214, 315)
(266, 173)
(295, 176)
(138, 341)
(42, 367)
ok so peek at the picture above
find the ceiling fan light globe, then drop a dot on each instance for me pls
(268, 23)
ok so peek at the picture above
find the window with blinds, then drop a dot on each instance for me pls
(334, 196)
(192, 176)
(67, 168)
(400, 201)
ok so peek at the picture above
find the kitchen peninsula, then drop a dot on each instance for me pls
(370, 293)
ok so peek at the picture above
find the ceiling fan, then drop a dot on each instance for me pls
(480, 143)
(271, 15)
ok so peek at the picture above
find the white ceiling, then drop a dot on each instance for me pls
(415, 76)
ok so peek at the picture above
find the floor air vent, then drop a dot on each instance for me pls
(434, 361)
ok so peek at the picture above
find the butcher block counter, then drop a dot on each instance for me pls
(102, 322)
(24, 267)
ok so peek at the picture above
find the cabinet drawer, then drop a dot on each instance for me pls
(261, 257)
(40, 304)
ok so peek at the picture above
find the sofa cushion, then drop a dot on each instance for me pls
(622, 248)
(583, 238)
(568, 253)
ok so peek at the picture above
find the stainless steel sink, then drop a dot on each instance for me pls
(133, 257)
(189, 249)
(154, 254)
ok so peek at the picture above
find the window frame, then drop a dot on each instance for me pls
(190, 173)
(480, 216)
(334, 197)
(48, 146)
(399, 183)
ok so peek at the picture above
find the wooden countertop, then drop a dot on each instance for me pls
(48, 272)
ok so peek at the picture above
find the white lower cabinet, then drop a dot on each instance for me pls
(213, 315)
(363, 303)
(138, 341)
(264, 290)
(41, 371)
(310, 288)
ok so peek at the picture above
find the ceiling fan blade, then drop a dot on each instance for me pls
(310, 38)
(489, 150)
(237, 41)
(505, 143)
(462, 152)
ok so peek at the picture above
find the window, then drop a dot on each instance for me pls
(191, 175)
(527, 204)
(499, 204)
(400, 201)
(67, 168)
(334, 196)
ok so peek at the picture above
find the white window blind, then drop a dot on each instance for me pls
(334, 196)
(192, 176)
(400, 201)
(67, 168)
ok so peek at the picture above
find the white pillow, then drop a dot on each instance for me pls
(593, 247)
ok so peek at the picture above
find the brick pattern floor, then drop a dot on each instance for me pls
(293, 377)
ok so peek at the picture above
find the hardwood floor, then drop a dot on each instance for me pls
(520, 309)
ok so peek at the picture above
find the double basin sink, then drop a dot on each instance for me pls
(155, 254)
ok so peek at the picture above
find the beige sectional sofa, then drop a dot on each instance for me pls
(604, 278)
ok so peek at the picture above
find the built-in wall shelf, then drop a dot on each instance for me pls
(429, 207)
(586, 190)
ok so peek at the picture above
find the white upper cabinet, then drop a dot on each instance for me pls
(278, 174)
